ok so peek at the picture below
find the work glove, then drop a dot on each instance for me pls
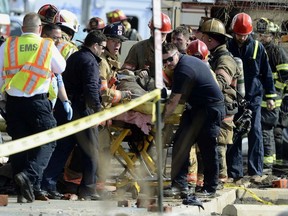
(126, 95)
(284, 105)
(68, 109)
(142, 73)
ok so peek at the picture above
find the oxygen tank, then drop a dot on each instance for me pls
(240, 80)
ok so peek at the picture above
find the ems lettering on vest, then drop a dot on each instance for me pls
(28, 47)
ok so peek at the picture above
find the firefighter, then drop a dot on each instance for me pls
(274, 121)
(47, 13)
(258, 80)
(109, 67)
(95, 23)
(119, 16)
(140, 58)
(222, 63)
(69, 25)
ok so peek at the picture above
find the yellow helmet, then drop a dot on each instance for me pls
(214, 26)
(265, 25)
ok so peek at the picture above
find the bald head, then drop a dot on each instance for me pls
(32, 23)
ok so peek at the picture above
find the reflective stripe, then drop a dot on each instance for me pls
(13, 61)
(268, 159)
(282, 67)
(35, 70)
(256, 49)
(275, 75)
(279, 85)
(271, 95)
(277, 103)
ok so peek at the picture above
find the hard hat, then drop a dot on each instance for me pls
(115, 30)
(67, 19)
(214, 26)
(166, 24)
(95, 23)
(198, 49)
(47, 13)
(264, 25)
(242, 24)
(115, 16)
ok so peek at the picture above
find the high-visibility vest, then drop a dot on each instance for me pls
(27, 63)
(66, 48)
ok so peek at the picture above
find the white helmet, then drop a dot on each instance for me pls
(67, 19)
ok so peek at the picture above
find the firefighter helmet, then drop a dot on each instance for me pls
(265, 25)
(47, 13)
(115, 16)
(242, 24)
(115, 30)
(214, 26)
(95, 23)
(166, 24)
(198, 49)
(67, 19)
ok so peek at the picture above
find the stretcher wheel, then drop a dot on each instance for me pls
(134, 192)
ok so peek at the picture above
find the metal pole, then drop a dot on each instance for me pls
(157, 23)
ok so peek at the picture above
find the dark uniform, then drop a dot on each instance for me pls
(258, 77)
(274, 121)
(200, 122)
(81, 79)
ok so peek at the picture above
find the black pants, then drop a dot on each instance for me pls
(199, 125)
(87, 140)
(27, 116)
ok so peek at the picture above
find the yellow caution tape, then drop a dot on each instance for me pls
(253, 195)
(59, 132)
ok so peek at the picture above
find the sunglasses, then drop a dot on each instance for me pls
(169, 59)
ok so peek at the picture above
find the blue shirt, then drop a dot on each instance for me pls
(192, 78)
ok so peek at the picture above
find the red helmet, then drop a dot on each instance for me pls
(115, 16)
(47, 13)
(242, 24)
(166, 24)
(198, 49)
(95, 23)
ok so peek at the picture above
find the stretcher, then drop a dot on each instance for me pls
(134, 150)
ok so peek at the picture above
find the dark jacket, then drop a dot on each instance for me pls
(257, 72)
(81, 79)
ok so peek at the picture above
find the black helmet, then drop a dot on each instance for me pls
(115, 30)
